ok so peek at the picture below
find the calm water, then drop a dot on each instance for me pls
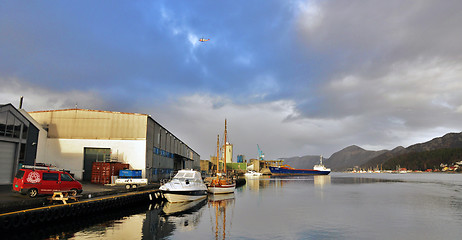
(340, 206)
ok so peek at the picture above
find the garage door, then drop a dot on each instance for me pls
(7, 151)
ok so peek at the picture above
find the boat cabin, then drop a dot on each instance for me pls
(188, 175)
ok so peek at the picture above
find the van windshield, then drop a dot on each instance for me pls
(19, 174)
(65, 177)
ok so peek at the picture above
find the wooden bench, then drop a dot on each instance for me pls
(64, 196)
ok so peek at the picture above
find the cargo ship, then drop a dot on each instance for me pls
(318, 169)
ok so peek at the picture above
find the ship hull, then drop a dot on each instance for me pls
(221, 189)
(184, 196)
(290, 171)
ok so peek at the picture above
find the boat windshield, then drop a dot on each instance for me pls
(181, 175)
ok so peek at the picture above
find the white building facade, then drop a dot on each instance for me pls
(228, 148)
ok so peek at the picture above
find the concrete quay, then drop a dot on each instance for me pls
(12, 201)
(17, 211)
(20, 211)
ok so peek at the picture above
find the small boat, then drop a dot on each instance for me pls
(252, 173)
(186, 185)
(318, 169)
(221, 183)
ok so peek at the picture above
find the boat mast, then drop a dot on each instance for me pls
(218, 152)
(224, 155)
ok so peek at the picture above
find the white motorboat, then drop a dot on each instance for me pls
(187, 185)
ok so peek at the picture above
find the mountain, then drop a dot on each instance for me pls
(431, 159)
(382, 158)
(450, 140)
(431, 149)
(350, 157)
(438, 149)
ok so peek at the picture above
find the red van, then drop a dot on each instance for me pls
(41, 180)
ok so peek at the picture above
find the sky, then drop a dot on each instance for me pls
(295, 77)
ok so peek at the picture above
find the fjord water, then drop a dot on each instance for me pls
(339, 206)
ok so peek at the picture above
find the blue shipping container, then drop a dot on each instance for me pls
(130, 173)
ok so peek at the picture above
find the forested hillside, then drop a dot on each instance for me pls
(425, 160)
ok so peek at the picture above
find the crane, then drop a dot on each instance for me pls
(261, 155)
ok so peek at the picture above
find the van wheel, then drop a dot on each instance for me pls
(134, 186)
(73, 192)
(33, 192)
(128, 186)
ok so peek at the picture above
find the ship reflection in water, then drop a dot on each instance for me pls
(175, 220)
(182, 216)
(257, 183)
(222, 211)
(321, 180)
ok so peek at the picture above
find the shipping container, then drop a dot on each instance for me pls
(103, 171)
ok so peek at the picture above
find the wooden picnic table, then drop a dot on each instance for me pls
(64, 196)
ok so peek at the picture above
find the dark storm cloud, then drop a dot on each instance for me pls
(369, 36)
(306, 77)
(139, 47)
(368, 43)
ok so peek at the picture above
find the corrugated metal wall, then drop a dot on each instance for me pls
(162, 150)
(91, 124)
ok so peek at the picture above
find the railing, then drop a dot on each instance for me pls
(40, 167)
(47, 168)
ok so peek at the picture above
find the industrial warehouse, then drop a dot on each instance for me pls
(74, 139)
(79, 137)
